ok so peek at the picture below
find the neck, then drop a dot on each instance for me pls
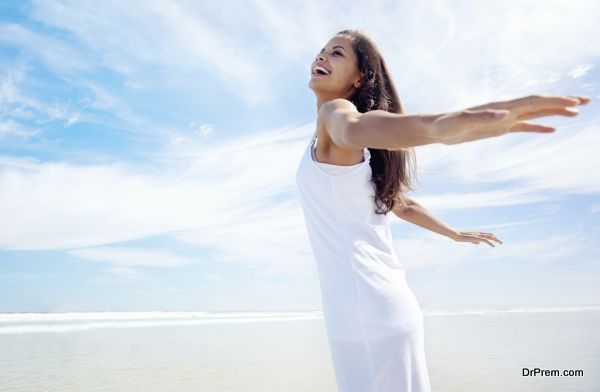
(321, 99)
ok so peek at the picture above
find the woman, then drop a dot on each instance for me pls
(351, 176)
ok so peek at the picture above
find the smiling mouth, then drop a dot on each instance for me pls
(319, 73)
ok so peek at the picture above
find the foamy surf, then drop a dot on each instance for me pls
(549, 309)
(21, 323)
(18, 323)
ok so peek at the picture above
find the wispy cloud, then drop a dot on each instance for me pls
(126, 272)
(538, 163)
(21, 113)
(173, 36)
(58, 56)
(125, 262)
(65, 206)
(430, 251)
(131, 256)
(580, 70)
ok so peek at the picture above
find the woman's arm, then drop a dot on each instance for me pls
(380, 129)
(420, 216)
(348, 128)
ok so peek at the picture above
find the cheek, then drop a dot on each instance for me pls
(345, 72)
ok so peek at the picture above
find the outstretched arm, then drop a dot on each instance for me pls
(380, 129)
(417, 214)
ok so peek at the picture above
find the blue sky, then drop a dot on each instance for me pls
(148, 152)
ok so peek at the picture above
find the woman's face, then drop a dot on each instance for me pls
(341, 76)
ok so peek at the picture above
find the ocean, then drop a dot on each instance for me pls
(467, 350)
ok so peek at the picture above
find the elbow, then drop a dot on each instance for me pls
(403, 212)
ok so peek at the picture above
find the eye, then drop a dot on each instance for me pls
(335, 52)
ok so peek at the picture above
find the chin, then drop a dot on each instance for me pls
(313, 86)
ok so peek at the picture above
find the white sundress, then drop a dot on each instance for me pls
(373, 320)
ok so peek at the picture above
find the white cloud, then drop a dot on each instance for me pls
(13, 128)
(441, 254)
(56, 54)
(511, 224)
(468, 199)
(543, 165)
(20, 108)
(166, 43)
(204, 129)
(125, 272)
(580, 70)
(223, 198)
(214, 277)
(172, 35)
(58, 206)
(130, 257)
(270, 238)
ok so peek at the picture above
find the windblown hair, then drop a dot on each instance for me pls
(390, 168)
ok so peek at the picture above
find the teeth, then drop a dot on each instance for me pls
(318, 67)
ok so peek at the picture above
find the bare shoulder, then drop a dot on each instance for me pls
(330, 122)
(340, 103)
(336, 105)
(334, 117)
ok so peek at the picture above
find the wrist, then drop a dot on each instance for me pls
(454, 234)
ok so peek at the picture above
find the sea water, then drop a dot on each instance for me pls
(467, 350)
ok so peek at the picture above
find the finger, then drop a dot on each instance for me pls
(530, 127)
(498, 240)
(566, 100)
(538, 102)
(492, 237)
(568, 111)
(489, 243)
(582, 100)
(477, 237)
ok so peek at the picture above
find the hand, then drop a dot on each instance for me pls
(475, 237)
(479, 122)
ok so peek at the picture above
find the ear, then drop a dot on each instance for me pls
(357, 82)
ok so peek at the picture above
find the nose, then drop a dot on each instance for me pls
(321, 57)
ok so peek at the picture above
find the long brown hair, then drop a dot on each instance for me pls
(377, 92)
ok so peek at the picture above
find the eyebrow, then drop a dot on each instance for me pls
(337, 46)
